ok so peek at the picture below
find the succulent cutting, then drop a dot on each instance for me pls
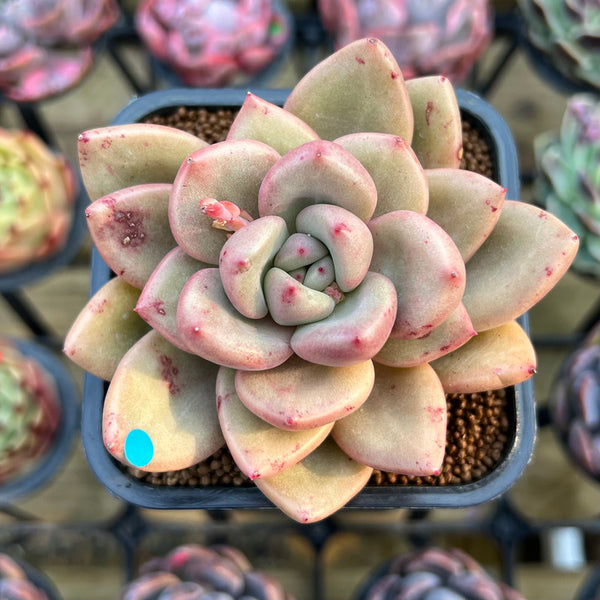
(29, 411)
(308, 290)
(217, 572)
(212, 43)
(445, 37)
(568, 184)
(46, 45)
(567, 33)
(37, 192)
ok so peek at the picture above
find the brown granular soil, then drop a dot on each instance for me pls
(210, 125)
(478, 429)
(476, 152)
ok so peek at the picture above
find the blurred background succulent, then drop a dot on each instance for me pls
(567, 32)
(29, 410)
(444, 37)
(196, 572)
(213, 43)
(435, 574)
(45, 45)
(568, 183)
(16, 584)
(37, 192)
(575, 404)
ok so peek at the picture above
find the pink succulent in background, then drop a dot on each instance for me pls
(45, 45)
(354, 276)
(442, 37)
(209, 43)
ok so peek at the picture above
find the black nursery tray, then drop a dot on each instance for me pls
(520, 409)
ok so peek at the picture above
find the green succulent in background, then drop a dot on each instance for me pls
(568, 183)
(37, 192)
(29, 410)
(568, 33)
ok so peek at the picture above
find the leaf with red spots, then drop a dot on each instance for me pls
(493, 359)
(130, 229)
(258, 448)
(401, 427)
(524, 257)
(352, 91)
(117, 157)
(169, 395)
(105, 329)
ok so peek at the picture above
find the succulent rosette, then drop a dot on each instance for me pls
(211, 43)
(444, 37)
(37, 194)
(568, 184)
(308, 290)
(567, 33)
(45, 45)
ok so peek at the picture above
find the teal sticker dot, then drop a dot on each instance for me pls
(139, 449)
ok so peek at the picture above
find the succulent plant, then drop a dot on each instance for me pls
(311, 270)
(15, 583)
(567, 32)
(436, 574)
(445, 37)
(45, 45)
(210, 43)
(575, 404)
(29, 410)
(568, 184)
(194, 572)
(37, 191)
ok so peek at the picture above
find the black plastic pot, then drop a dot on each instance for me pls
(53, 458)
(520, 398)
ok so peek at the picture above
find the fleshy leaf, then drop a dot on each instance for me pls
(357, 328)
(227, 171)
(260, 120)
(401, 427)
(456, 197)
(299, 250)
(455, 331)
(320, 274)
(346, 237)
(317, 173)
(425, 266)
(395, 169)
(120, 156)
(258, 448)
(493, 359)
(358, 88)
(526, 254)
(292, 303)
(157, 303)
(245, 257)
(303, 395)
(317, 486)
(130, 229)
(105, 329)
(211, 327)
(160, 412)
(437, 139)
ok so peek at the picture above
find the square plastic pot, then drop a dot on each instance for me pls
(521, 405)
